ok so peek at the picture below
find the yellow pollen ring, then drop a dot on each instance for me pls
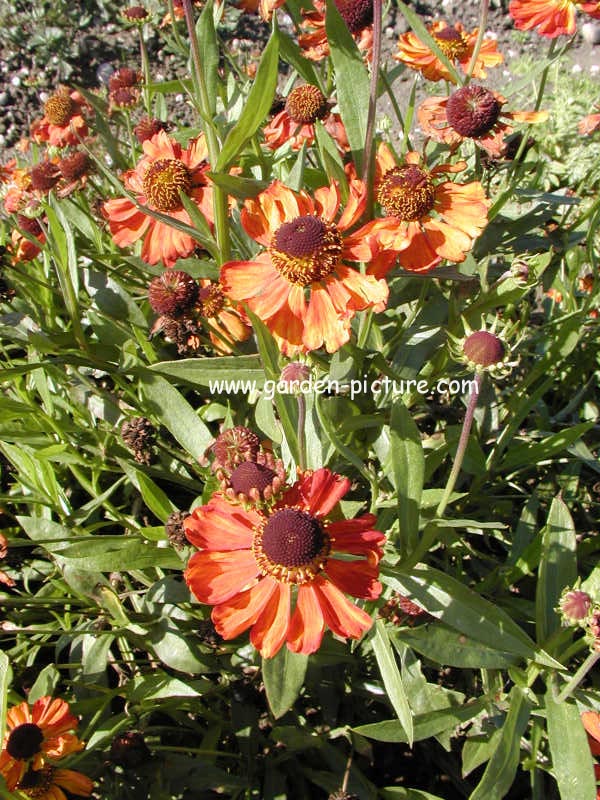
(407, 193)
(163, 180)
(453, 45)
(306, 573)
(303, 270)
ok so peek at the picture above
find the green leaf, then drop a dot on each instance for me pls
(286, 405)
(572, 762)
(45, 683)
(283, 676)
(238, 186)
(174, 648)
(291, 53)
(258, 103)
(392, 679)
(172, 409)
(557, 569)
(353, 89)
(426, 725)
(526, 454)
(400, 793)
(207, 371)
(207, 39)
(461, 608)
(160, 685)
(110, 553)
(502, 766)
(153, 496)
(408, 470)
(451, 648)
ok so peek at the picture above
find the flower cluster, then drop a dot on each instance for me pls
(265, 548)
(36, 738)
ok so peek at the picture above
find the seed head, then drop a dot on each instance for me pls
(172, 293)
(484, 349)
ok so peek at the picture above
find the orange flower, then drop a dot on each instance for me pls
(164, 170)
(589, 124)
(48, 783)
(253, 564)
(455, 43)
(63, 122)
(472, 112)
(427, 220)
(358, 16)
(296, 123)
(33, 734)
(264, 7)
(224, 323)
(551, 17)
(300, 285)
(22, 247)
(591, 723)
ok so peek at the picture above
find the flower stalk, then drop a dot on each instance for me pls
(219, 195)
(368, 171)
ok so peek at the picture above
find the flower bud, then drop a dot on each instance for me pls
(484, 349)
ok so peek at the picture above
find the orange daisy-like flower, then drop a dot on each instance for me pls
(253, 564)
(165, 170)
(296, 123)
(472, 112)
(591, 723)
(22, 247)
(225, 324)
(264, 7)
(426, 220)
(589, 124)
(455, 43)
(33, 734)
(358, 16)
(551, 18)
(63, 122)
(48, 783)
(300, 285)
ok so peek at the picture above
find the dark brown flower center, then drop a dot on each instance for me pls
(124, 76)
(451, 42)
(173, 292)
(250, 475)
(147, 128)
(483, 348)
(29, 224)
(306, 249)
(472, 110)
(36, 783)
(306, 104)
(357, 14)
(125, 97)
(59, 108)
(25, 741)
(163, 181)
(136, 14)
(407, 192)
(292, 538)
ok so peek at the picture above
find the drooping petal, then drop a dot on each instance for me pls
(340, 614)
(242, 280)
(270, 629)
(215, 577)
(307, 625)
(238, 614)
(591, 723)
(323, 324)
(219, 525)
(322, 490)
(357, 578)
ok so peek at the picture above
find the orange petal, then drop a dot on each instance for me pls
(237, 615)
(220, 526)
(242, 280)
(357, 578)
(591, 723)
(343, 617)
(215, 577)
(270, 629)
(323, 325)
(307, 625)
(322, 490)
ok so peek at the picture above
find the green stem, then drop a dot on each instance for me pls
(301, 431)
(462, 446)
(368, 171)
(212, 142)
(483, 15)
(146, 71)
(578, 677)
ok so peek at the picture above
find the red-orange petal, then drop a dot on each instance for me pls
(216, 577)
(307, 625)
(238, 614)
(342, 616)
(270, 629)
(357, 578)
(220, 526)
